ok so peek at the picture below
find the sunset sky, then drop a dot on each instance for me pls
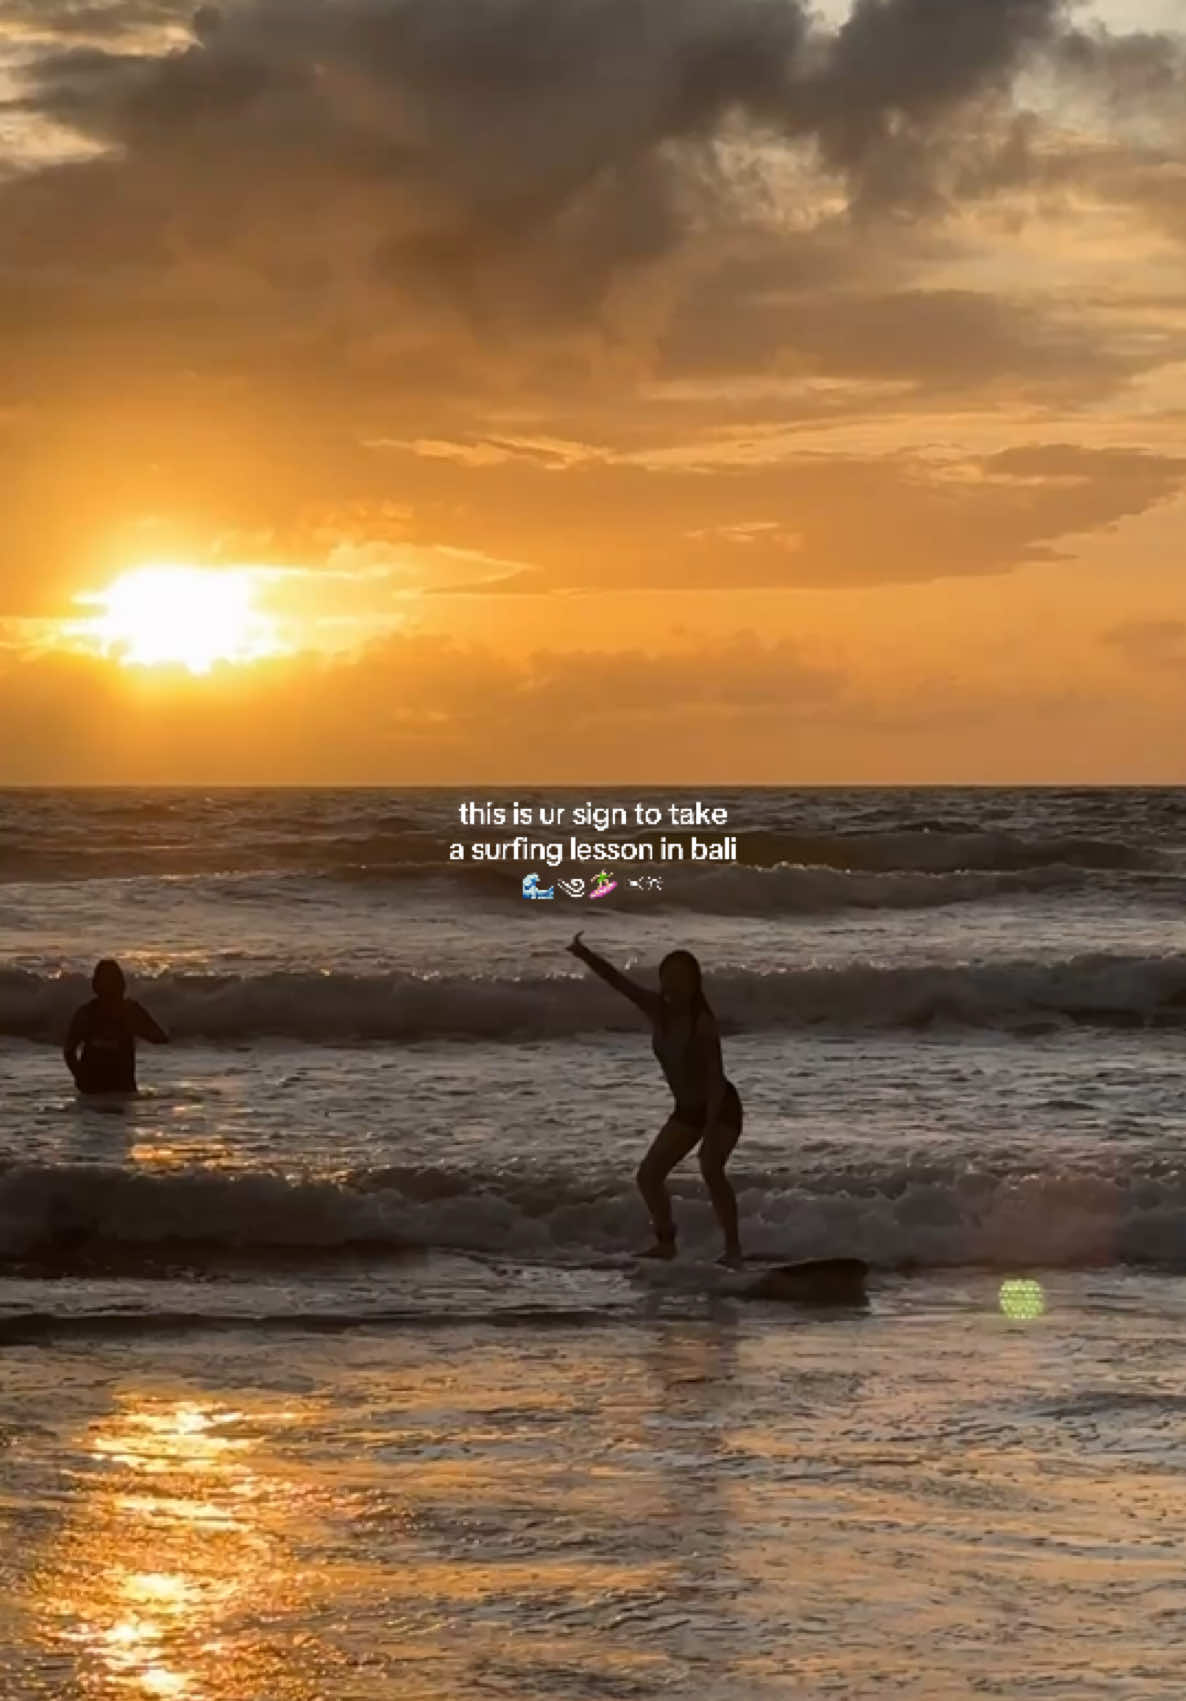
(398, 391)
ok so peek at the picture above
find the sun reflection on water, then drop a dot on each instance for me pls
(166, 1545)
(157, 1154)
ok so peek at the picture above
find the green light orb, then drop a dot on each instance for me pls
(1022, 1298)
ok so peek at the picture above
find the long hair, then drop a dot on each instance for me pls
(700, 1004)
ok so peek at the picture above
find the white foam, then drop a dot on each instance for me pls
(400, 1007)
(948, 1217)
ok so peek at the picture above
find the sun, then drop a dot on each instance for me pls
(192, 617)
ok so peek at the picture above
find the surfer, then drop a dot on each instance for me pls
(100, 1048)
(707, 1109)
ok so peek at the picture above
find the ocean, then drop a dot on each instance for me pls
(326, 1370)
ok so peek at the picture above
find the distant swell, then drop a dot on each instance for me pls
(91, 1218)
(796, 890)
(406, 853)
(400, 1007)
(936, 852)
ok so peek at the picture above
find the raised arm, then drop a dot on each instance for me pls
(650, 1003)
(146, 1027)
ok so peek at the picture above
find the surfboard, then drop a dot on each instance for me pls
(837, 1282)
(816, 1281)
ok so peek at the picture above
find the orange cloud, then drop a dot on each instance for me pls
(622, 311)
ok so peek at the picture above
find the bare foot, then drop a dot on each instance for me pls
(732, 1259)
(661, 1249)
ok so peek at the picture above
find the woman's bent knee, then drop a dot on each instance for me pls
(713, 1171)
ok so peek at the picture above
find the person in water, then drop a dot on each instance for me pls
(100, 1048)
(707, 1110)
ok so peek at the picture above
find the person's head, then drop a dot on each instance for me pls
(108, 981)
(680, 981)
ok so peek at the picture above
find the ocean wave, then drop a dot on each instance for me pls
(330, 1008)
(26, 1328)
(398, 850)
(103, 1219)
(71, 857)
(754, 889)
(721, 890)
(935, 850)
(798, 890)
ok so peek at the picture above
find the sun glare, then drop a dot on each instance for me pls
(190, 617)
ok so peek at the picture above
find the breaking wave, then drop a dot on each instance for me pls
(940, 851)
(400, 852)
(799, 890)
(1104, 989)
(101, 1218)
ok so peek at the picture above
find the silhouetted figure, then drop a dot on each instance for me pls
(707, 1111)
(100, 1048)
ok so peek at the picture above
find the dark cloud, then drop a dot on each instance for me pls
(939, 342)
(317, 224)
(407, 185)
(1139, 66)
(894, 74)
(479, 141)
(918, 56)
(529, 146)
(505, 160)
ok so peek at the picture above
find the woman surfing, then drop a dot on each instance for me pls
(707, 1109)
